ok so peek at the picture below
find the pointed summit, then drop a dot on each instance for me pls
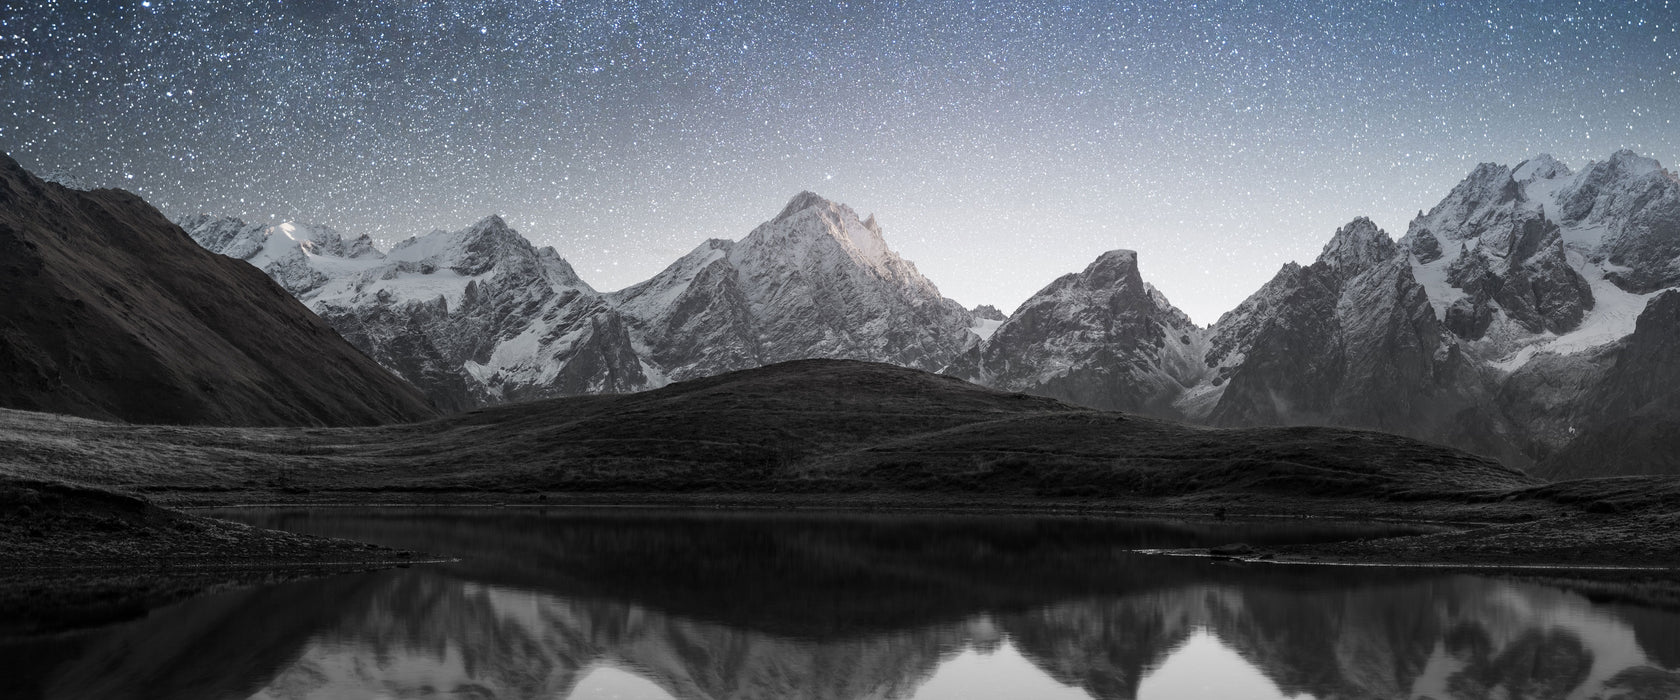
(809, 222)
(491, 223)
(1115, 268)
(801, 202)
(989, 313)
(1628, 158)
(1540, 167)
(473, 250)
(1356, 247)
(1101, 337)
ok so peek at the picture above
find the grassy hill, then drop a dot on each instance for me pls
(804, 427)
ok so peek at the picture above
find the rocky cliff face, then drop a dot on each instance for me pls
(111, 312)
(1101, 337)
(1628, 411)
(816, 281)
(1350, 340)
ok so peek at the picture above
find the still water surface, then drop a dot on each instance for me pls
(659, 604)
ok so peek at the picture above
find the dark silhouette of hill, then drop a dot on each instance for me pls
(804, 427)
(108, 310)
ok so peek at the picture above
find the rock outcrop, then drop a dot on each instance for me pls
(1101, 338)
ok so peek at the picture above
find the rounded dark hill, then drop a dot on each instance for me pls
(804, 427)
(846, 426)
(108, 310)
(734, 425)
(850, 397)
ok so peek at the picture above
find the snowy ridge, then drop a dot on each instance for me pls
(1481, 327)
(1601, 216)
(473, 316)
(480, 316)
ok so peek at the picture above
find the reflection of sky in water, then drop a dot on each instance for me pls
(1205, 668)
(1467, 639)
(608, 683)
(791, 610)
(1202, 667)
(1000, 673)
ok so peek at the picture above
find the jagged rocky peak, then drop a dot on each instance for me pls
(235, 238)
(814, 281)
(320, 239)
(470, 251)
(1630, 206)
(1610, 191)
(1354, 249)
(794, 228)
(1101, 337)
(1116, 269)
(1357, 247)
(987, 319)
(1540, 167)
(1481, 201)
(800, 202)
(291, 252)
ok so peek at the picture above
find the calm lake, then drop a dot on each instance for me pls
(631, 603)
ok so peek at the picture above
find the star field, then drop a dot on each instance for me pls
(1000, 144)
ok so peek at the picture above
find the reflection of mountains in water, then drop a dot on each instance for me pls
(422, 633)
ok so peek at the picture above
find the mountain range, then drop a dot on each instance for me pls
(480, 316)
(1523, 317)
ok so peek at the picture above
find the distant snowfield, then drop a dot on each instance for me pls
(985, 327)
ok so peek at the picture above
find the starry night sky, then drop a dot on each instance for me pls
(1000, 144)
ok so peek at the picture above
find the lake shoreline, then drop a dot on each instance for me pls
(1529, 534)
(151, 563)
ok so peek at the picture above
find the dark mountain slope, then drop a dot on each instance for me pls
(110, 311)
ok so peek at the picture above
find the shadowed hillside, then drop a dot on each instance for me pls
(811, 426)
(108, 310)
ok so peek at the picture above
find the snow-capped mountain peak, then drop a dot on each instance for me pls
(480, 315)
(1102, 337)
(301, 257)
(809, 218)
(470, 251)
(1540, 167)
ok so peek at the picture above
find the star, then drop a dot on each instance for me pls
(1001, 143)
